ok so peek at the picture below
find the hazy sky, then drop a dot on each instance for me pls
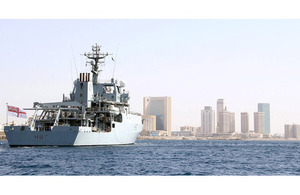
(195, 62)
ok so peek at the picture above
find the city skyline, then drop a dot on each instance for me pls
(160, 58)
(226, 119)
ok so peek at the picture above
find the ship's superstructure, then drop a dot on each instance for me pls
(96, 113)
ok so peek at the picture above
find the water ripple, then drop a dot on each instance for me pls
(156, 157)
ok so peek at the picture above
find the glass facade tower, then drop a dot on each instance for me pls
(265, 108)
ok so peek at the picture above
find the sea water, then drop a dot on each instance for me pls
(156, 157)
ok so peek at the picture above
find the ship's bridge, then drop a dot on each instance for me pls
(88, 89)
(85, 91)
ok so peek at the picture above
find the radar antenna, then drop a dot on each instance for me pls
(96, 59)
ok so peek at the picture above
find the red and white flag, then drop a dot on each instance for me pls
(16, 112)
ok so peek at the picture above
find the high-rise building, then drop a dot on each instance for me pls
(208, 120)
(296, 131)
(265, 108)
(225, 119)
(292, 131)
(244, 122)
(224, 122)
(288, 131)
(220, 108)
(259, 122)
(231, 122)
(161, 108)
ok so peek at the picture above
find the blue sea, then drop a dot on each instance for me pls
(156, 157)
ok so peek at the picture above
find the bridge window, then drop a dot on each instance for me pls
(108, 89)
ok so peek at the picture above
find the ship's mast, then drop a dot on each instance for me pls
(96, 60)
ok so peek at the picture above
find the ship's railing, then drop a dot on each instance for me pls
(58, 108)
(43, 128)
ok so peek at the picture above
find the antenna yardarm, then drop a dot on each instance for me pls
(96, 59)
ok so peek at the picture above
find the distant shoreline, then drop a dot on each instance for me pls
(3, 137)
(212, 138)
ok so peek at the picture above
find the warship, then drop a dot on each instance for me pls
(96, 113)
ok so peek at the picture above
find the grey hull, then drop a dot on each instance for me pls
(70, 136)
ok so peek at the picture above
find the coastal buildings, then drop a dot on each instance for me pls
(265, 108)
(221, 123)
(208, 120)
(161, 108)
(225, 119)
(292, 131)
(193, 130)
(231, 122)
(224, 124)
(244, 122)
(182, 133)
(186, 131)
(220, 108)
(259, 122)
(288, 131)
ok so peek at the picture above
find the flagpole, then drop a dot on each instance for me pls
(6, 114)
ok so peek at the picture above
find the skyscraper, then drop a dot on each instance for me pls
(296, 131)
(220, 108)
(288, 131)
(161, 108)
(259, 122)
(231, 122)
(208, 120)
(225, 119)
(244, 122)
(265, 108)
(224, 124)
(292, 131)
